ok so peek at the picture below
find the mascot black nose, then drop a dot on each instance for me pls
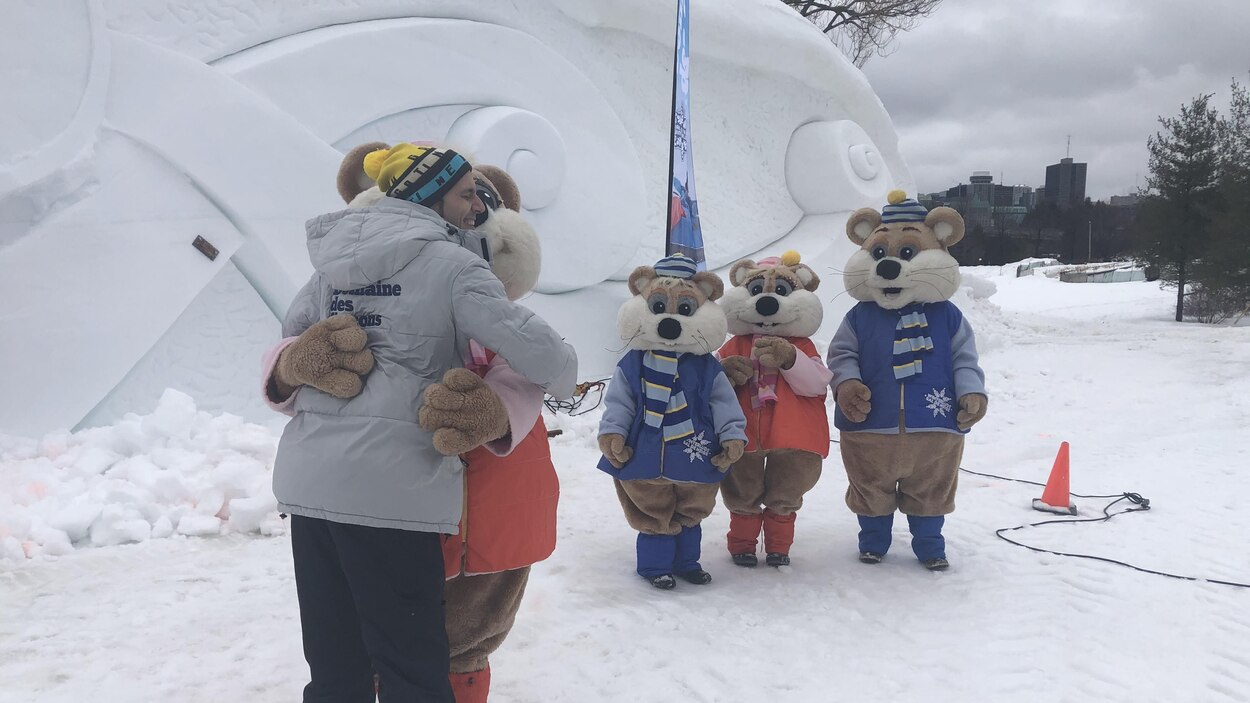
(669, 328)
(767, 305)
(889, 269)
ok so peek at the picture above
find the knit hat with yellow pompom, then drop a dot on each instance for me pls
(902, 209)
(419, 174)
(790, 258)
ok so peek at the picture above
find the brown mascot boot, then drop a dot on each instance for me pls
(778, 536)
(472, 686)
(744, 535)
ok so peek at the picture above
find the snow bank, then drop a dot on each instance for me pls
(177, 471)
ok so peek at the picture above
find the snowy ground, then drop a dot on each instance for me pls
(1148, 406)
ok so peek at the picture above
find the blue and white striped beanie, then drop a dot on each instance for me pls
(902, 209)
(676, 266)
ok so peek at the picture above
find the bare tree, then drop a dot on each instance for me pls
(863, 28)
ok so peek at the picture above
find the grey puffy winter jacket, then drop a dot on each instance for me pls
(420, 290)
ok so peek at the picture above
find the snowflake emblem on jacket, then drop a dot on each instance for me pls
(939, 403)
(698, 447)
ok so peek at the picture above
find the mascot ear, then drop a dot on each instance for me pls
(352, 179)
(503, 185)
(738, 274)
(640, 278)
(947, 225)
(710, 284)
(863, 221)
(807, 276)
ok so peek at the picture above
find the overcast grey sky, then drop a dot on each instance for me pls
(998, 85)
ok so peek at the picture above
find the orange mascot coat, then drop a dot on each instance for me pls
(794, 421)
(509, 516)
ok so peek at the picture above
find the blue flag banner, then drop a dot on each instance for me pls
(683, 234)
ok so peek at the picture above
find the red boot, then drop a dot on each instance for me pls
(778, 535)
(472, 686)
(744, 533)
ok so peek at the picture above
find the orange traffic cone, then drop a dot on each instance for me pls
(1055, 498)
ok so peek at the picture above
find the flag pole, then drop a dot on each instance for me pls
(672, 138)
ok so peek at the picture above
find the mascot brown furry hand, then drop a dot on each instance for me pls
(491, 416)
(772, 311)
(908, 382)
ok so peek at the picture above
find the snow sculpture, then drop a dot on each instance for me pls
(160, 121)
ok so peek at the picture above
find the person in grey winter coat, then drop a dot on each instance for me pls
(368, 493)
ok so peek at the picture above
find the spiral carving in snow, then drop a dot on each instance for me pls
(831, 163)
(524, 143)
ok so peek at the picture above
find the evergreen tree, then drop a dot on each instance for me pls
(1184, 194)
(1225, 272)
(1235, 136)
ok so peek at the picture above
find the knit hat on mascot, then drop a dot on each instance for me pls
(516, 254)
(902, 209)
(418, 174)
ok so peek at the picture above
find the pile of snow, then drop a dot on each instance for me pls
(177, 471)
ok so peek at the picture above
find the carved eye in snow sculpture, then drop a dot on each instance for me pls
(832, 163)
(523, 143)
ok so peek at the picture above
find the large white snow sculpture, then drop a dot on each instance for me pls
(158, 121)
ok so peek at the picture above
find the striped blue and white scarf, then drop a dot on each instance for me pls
(663, 406)
(910, 341)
